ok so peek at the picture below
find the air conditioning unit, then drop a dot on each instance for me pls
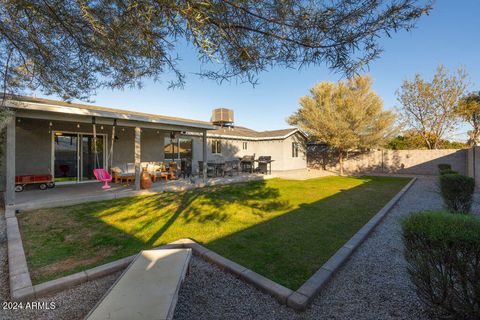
(222, 117)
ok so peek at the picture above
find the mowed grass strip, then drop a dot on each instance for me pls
(282, 229)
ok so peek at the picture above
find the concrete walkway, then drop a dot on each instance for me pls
(148, 289)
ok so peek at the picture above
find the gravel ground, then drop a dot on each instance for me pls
(372, 285)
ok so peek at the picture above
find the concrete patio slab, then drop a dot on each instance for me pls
(66, 195)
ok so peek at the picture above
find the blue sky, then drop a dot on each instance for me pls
(449, 36)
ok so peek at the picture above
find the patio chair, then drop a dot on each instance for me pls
(157, 171)
(173, 170)
(228, 168)
(125, 173)
(186, 168)
(236, 167)
(210, 169)
(102, 175)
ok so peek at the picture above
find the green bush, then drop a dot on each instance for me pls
(448, 171)
(444, 166)
(443, 255)
(457, 192)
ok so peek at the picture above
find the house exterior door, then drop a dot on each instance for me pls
(74, 156)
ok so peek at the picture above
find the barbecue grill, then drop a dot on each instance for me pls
(265, 164)
(247, 163)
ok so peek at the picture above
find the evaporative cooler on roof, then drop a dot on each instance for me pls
(222, 117)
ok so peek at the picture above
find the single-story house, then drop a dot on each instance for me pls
(57, 137)
(286, 146)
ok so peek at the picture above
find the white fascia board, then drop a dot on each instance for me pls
(106, 114)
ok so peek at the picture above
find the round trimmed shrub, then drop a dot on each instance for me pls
(443, 255)
(444, 166)
(457, 192)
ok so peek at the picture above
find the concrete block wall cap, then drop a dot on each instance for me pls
(315, 283)
(171, 246)
(13, 235)
(12, 222)
(20, 281)
(298, 301)
(274, 289)
(108, 268)
(356, 240)
(15, 249)
(338, 259)
(59, 284)
(198, 249)
(224, 263)
(9, 211)
(17, 265)
(23, 294)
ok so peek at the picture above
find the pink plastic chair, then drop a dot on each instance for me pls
(102, 175)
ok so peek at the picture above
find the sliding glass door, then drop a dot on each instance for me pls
(74, 156)
(65, 157)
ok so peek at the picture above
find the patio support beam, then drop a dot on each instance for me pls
(10, 163)
(204, 152)
(137, 157)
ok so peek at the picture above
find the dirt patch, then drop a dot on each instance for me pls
(72, 263)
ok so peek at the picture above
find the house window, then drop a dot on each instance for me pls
(180, 148)
(216, 146)
(244, 145)
(294, 150)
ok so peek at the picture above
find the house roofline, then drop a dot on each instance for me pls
(45, 105)
(239, 137)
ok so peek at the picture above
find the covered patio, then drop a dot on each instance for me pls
(67, 141)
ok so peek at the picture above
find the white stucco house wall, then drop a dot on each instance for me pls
(285, 146)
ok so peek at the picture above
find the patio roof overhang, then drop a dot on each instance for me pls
(29, 107)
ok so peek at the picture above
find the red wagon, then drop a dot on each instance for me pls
(44, 181)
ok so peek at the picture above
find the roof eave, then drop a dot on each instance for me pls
(107, 114)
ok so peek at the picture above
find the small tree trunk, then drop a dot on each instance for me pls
(340, 161)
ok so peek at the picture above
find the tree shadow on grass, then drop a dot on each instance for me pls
(285, 248)
(203, 205)
(291, 247)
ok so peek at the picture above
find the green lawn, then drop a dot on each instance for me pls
(282, 229)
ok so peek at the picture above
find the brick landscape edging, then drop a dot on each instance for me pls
(297, 300)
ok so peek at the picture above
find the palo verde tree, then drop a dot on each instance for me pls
(347, 115)
(71, 48)
(430, 108)
(469, 110)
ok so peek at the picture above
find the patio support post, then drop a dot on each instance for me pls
(204, 145)
(10, 163)
(137, 157)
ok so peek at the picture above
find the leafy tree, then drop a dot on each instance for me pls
(413, 140)
(430, 108)
(345, 115)
(71, 48)
(469, 110)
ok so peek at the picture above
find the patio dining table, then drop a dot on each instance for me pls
(217, 167)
